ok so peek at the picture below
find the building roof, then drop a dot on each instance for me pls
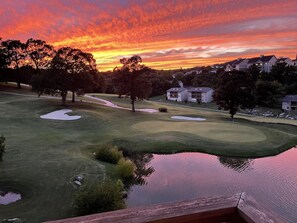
(262, 59)
(176, 89)
(200, 89)
(290, 98)
(283, 59)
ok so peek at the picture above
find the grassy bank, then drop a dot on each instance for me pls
(44, 156)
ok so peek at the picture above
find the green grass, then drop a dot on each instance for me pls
(43, 156)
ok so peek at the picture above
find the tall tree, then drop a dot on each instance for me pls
(80, 65)
(234, 91)
(14, 51)
(40, 53)
(70, 70)
(268, 93)
(3, 61)
(130, 79)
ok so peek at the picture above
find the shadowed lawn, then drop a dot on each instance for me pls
(43, 156)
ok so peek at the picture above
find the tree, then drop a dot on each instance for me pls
(3, 61)
(40, 53)
(80, 65)
(283, 73)
(268, 93)
(2, 146)
(130, 79)
(14, 50)
(234, 91)
(70, 70)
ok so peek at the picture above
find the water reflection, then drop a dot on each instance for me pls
(272, 180)
(143, 168)
(237, 164)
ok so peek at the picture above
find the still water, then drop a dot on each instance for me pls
(271, 180)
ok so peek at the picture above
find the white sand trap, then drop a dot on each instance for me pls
(110, 104)
(60, 115)
(187, 118)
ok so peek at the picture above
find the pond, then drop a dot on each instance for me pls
(272, 181)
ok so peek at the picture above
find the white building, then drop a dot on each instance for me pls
(286, 60)
(264, 63)
(177, 94)
(200, 94)
(238, 64)
(289, 102)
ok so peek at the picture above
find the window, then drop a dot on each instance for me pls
(197, 95)
(174, 94)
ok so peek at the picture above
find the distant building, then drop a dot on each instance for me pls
(200, 94)
(286, 60)
(289, 102)
(238, 64)
(193, 94)
(177, 94)
(264, 63)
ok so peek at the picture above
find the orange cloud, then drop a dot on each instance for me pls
(167, 34)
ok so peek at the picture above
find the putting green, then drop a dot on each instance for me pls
(227, 132)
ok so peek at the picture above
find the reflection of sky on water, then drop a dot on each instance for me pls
(272, 181)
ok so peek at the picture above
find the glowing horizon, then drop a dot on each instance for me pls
(166, 35)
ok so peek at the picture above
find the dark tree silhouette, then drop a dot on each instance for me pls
(130, 79)
(14, 50)
(234, 91)
(70, 70)
(40, 53)
(80, 65)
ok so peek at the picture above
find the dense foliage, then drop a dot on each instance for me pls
(108, 153)
(234, 91)
(94, 198)
(2, 146)
(130, 79)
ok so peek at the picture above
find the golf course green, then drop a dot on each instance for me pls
(43, 157)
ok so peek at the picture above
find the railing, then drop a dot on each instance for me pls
(238, 208)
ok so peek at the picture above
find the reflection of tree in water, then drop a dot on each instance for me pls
(237, 164)
(143, 170)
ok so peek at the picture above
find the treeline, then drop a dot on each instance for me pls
(72, 70)
(65, 70)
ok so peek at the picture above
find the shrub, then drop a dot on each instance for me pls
(108, 153)
(125, 168)
(2, 146)
(163, 109)
(106, 196)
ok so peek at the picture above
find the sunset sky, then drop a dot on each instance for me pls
(166, 34)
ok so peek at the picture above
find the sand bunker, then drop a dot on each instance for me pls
(188, 118)
(60, 115)
(9, 197)
(110, 104)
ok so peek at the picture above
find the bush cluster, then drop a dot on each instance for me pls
(107, 196)
(163, 109)
(125, 168)
(108, 153)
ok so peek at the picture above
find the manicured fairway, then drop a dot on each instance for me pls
(43, 156)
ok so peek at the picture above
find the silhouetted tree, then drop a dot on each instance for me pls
(40, 53)
(14, 50)
(130, 79)
(70, 70)
(80, 66)
(234, 91)
(268, 93)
